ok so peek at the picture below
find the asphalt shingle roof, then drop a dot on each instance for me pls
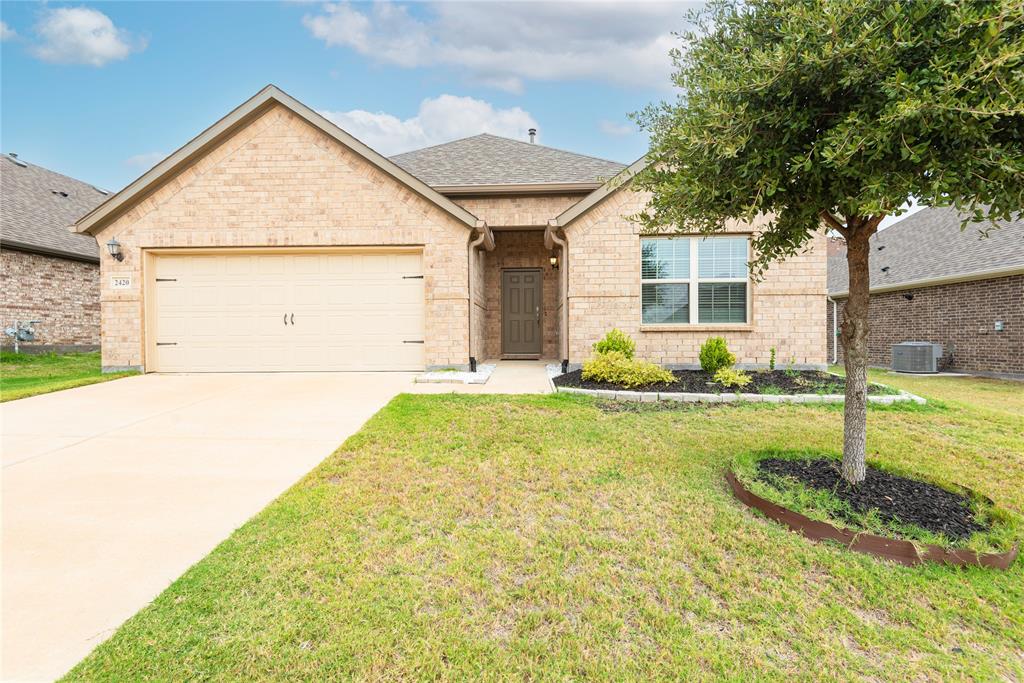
(35, 213)
(929, 244)
(491, 160)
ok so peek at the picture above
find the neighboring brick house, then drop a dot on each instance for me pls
(276, 241)
(49, 273)
(933, 282)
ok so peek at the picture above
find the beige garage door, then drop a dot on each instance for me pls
(287, 312)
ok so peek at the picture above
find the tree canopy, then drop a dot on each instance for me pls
(832, 110)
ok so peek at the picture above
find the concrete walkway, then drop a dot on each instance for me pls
(509, 377)
(112, 491)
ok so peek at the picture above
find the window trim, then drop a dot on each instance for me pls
(694, 282)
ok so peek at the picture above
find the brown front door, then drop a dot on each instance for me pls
(521, 312)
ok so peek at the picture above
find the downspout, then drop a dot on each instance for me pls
(483, 237)
(835, 331)
(551, 240)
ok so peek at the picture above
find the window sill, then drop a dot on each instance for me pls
(685, 327)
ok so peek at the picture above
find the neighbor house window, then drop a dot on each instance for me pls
(693, 280)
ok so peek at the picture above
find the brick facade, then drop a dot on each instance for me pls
(604, 292)
(960, 316)
(520, 249)
(280, 182)
(62, 293)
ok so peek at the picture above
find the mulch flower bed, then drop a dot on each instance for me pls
(894, 498)
(764, 382)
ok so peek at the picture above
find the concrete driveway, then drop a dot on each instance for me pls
(111, 491)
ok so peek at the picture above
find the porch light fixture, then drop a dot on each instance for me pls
(114, 247)
(554, 262)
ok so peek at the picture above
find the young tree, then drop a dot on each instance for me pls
(834, 113)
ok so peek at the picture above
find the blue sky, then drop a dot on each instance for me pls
(102, 91)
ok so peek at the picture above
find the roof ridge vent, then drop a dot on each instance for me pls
(14, 157)
(533, 135)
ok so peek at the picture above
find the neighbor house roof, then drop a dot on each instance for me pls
(249, 110)
(36, 207)
(929, 248)
(491, 163)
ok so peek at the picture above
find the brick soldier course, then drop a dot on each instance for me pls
(282, 177)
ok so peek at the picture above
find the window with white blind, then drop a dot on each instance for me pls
(693, 280)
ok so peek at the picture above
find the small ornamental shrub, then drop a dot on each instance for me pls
(616, 340)
(714, 355)
(615, 368)
(730, 377)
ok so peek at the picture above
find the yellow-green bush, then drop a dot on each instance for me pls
(731, 377)
(615, 367)
(714, 355)
(616, 340)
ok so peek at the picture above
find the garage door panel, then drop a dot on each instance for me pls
(278, 312)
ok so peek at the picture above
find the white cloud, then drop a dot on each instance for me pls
(439, 119)
(6, 32)
(146, 160)
(502, 44)
(81, 35)
(616, 129)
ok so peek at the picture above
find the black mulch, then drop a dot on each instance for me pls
(896, 499)
(698, 381)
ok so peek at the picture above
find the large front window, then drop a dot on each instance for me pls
(676, 272)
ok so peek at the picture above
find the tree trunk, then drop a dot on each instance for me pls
(854, 336)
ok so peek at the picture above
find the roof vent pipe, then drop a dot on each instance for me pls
(533, 135)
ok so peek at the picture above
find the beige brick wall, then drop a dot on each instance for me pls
(520, 249)
(604, 292)
(519, 212)
(62, 293)
(280, 182)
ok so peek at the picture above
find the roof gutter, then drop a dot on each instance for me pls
(516, 189)
(45, 251)
(943, 280)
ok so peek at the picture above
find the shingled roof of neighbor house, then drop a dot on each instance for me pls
(490, 160)
(38, 205)
(929, 245)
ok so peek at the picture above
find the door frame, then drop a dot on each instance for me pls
(501, 313)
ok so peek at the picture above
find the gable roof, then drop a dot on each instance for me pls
(929, 247)
(488, 162)
(609, 188)
(253, 107)
(39, 205)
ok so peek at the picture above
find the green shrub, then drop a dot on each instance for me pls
(730, 377)
(714, 355)
(771, 360)
(615, 367)
(616, 340)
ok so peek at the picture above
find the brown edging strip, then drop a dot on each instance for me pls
(893, 549)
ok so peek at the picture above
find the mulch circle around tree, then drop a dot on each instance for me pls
(698, 381)
(893, 549)
(895, 499)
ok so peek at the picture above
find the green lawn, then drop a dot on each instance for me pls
(25, 374)
(490, 537)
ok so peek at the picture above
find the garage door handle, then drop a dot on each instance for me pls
(285, 318)
(293, 318)
(412, 341)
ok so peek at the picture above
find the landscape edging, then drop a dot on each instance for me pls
(897, 550)
(686, 397)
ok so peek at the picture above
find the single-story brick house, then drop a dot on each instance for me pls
(49, 274)
(276, 241)
(933, 282)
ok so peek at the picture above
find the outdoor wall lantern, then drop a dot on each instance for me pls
(114, 247)
(554, 262)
